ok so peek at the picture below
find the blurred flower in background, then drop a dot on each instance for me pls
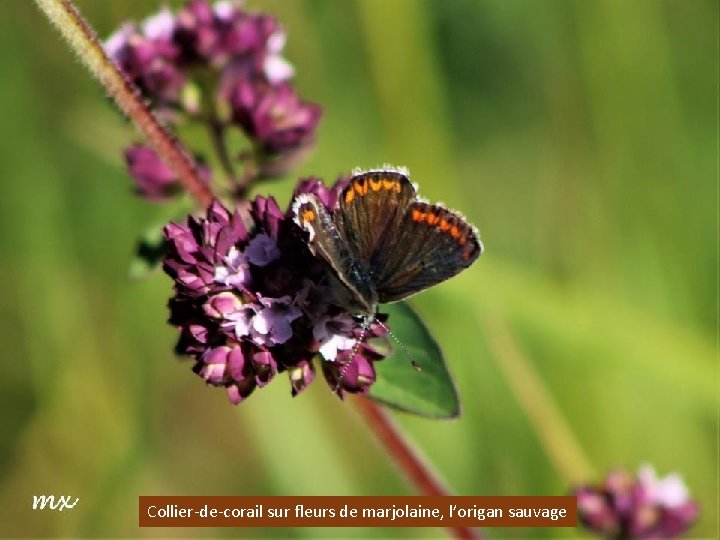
(154, 180)
(222, 66)
(273, 115)
(637, 507)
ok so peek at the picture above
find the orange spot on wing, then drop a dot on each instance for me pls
(349, 196)
(308, 215)
(454, 231)
(375, 185)
(418, 216)
(432, 218)
(444, 225)
(388, 184)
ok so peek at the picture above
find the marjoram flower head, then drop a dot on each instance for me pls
(251, 301)
(640, 506)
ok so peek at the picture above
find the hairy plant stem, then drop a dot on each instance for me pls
(420, 475)
(217, 137)
(83, 40)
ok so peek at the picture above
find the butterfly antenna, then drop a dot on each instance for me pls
(405, 350)
(367, 321)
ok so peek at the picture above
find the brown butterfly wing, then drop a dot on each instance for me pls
(432, 244)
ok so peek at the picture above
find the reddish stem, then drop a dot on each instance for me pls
(84, 42)
(419, 474)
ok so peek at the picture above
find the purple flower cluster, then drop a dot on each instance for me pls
(637, 507)
(220, 65)
(251, 301)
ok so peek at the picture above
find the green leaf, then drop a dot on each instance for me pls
(150, 246)
(429, 392)
(149, 252)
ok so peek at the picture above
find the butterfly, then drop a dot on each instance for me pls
(384, 243)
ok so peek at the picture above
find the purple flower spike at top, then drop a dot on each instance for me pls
(273, 115)
(198, 33)
(149, 57)
(222, 66)
(161, 53)
(637, 507)
(251, 301)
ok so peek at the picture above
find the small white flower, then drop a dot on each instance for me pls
(225, 9)
(115, 43)
(337, 342)
(334, 334)
(274, 321)
(236, 271)
(277, 69)
(160, 25)
(276, 42)
(669, 492)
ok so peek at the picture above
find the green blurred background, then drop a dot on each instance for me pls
(581, 137)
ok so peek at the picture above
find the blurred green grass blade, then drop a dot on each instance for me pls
(538, 403)
(406, 76)
(429, 392)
